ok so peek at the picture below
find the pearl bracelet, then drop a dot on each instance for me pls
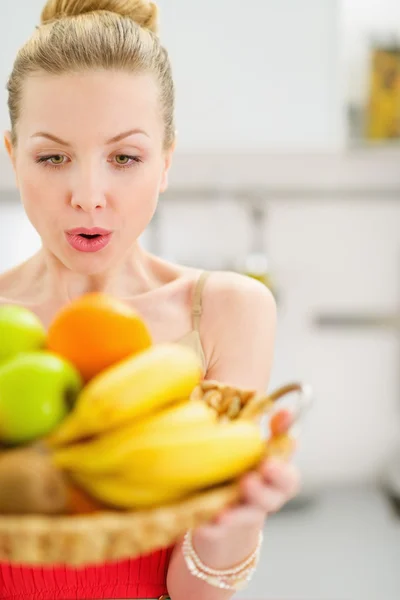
(235, 578)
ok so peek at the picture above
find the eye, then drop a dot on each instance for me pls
(57, 159)
(54, 160)
(122, 159)
(125, 160)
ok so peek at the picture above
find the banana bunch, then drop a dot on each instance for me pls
(137, 438)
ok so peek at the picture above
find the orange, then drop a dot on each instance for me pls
(96, 331)
(79, 502)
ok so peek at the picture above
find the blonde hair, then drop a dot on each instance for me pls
(80, 35)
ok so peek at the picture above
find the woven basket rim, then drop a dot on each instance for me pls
(69, 540)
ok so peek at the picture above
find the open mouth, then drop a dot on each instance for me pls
(85, 240)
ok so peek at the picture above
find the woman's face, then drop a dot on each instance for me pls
(90, 155)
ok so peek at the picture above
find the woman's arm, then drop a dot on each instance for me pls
(238, 331)
(239, 323)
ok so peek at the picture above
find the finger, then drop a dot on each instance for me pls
(281, 447)
(281, 422)
(283, 476)
(268, 498)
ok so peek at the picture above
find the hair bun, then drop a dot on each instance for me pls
(143, 12)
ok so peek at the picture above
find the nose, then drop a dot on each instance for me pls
(87, 192)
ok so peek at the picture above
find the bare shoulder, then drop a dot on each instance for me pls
(238, 329)
(233, 291)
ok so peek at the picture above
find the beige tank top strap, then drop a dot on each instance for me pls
(197, 307)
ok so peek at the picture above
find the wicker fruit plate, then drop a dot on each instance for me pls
(109, 536)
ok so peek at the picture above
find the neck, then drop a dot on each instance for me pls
(133, 276)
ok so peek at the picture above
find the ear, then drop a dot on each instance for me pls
(8, 145)
(166, 167)
(10, 151)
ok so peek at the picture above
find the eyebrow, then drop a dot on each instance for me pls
(116, 138)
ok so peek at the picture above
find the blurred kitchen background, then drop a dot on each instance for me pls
(288, 169)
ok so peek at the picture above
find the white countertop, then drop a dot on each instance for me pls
(343, 547)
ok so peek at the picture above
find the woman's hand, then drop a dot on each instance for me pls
(266, 490)
(233, 535)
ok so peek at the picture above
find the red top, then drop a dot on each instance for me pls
(144, 577)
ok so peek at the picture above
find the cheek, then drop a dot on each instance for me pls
(140, 199)
(138, 212)
(38, 201)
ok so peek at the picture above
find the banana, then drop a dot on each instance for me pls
(109, 451)
(115, 492)
(195, 458)
(168, 466)
(132, 389)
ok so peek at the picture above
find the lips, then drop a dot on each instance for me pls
(91, 231)
(86, 239)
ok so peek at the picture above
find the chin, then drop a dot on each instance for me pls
(91, 263)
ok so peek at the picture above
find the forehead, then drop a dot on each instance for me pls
(94, 102)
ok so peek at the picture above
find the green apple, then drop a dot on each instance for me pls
(37, 390)
(20, 331)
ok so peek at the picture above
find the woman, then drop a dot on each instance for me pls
(91, 102)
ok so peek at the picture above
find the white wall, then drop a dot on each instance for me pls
(260, 74)
(331, 257)
(17, 23)
(257, 74)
